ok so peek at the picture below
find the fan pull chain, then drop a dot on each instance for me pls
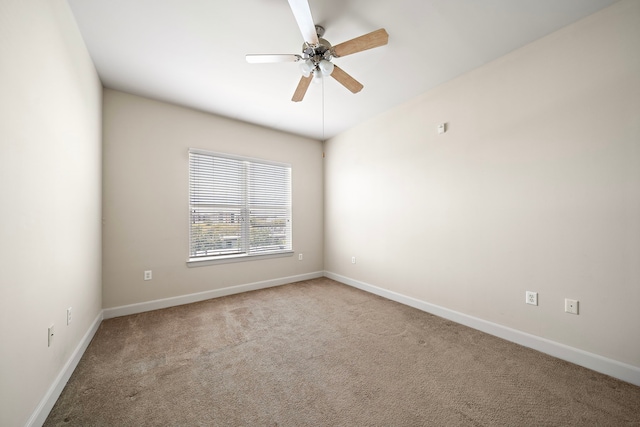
(323, 139)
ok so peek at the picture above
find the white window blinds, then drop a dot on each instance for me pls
(238, 207)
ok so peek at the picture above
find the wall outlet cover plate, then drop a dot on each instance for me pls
(571, 306)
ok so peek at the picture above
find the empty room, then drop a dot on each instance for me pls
(319, 213)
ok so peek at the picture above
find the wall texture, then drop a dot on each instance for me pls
(50, 203)
(535, 186)
(146, 203)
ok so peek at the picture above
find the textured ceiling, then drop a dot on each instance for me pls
(192, 52)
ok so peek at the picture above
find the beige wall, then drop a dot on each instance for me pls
(146, 199)
(535, 186)
(50, 173)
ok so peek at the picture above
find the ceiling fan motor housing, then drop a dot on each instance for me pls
(316, 57)
(322, 50)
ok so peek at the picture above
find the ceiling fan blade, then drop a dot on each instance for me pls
(302, 13)
(301, 90)
(346, 80)
(375, 38)
(267, 58)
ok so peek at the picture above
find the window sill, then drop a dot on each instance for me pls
(226, 259)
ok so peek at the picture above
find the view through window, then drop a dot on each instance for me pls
(239, 207)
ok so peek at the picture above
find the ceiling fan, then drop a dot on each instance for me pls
(317, 53)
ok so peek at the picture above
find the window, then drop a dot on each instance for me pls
(238, 207)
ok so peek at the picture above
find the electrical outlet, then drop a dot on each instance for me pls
(147, 275)
(299, 257)
(68, 315)
(571, 306)
(531, 298)
(50, 336)
(353, 260)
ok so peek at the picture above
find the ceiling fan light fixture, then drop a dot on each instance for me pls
(307, 66)
(317, 75)
(326, 67)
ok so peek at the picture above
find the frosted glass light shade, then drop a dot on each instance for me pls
(317, 76)
(306, 67)
(326, 67)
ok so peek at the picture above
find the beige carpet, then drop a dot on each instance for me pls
(319, 353)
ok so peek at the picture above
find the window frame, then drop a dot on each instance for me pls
(246, 214)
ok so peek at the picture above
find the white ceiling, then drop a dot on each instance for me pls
(192, 52)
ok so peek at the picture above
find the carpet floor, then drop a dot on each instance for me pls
(319, 353)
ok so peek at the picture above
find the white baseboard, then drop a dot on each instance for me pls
(614, 368)
(126, 310)
(41, 413)
(592, 361)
